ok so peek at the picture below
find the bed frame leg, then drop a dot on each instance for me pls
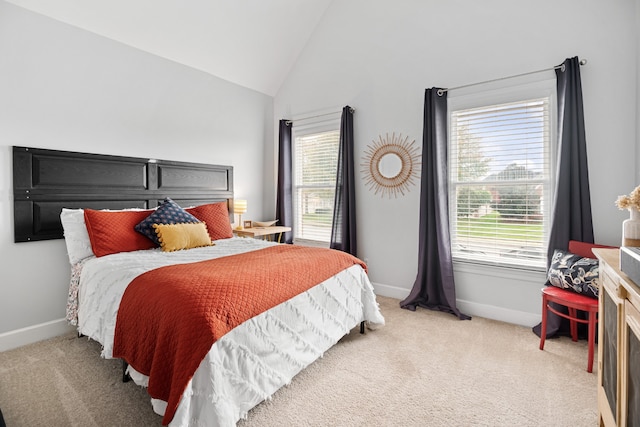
(125, 377)
(362, 327)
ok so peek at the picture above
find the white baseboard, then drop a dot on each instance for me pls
(502, 314)
(390, 291)
(35, 333)
(470, 308)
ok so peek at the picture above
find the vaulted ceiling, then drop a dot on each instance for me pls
(253, 43)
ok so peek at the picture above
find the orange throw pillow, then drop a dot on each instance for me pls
(112, 232)
(216, 216)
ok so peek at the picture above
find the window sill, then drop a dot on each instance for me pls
(495, 270)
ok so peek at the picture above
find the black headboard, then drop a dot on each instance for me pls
(45, 181)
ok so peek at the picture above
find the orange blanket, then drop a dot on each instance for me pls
(170, 317)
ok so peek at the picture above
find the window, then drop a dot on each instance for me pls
(500, 181)
(315, 161)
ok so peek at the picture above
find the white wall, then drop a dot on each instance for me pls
(66, 89)
(379, 56)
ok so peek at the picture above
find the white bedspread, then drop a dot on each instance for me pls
(251, 362)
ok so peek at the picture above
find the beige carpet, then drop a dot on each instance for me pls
(423, 368)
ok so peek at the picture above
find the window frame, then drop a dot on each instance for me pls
(310, 127)
(498, 93)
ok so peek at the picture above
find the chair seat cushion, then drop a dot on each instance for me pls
(574, 272)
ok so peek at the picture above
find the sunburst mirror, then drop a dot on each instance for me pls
(390, 165)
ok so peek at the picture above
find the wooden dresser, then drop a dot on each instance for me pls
(618, 344)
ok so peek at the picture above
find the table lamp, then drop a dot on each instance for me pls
(239, 207)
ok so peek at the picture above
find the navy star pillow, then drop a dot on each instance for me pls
(169, 212)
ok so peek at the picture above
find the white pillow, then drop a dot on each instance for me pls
(75, 235)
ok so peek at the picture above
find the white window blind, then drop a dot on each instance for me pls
(315, 165)
(500, 183)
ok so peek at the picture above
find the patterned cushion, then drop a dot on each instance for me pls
(169, 212)
(216, 216)
(111, 232)
(575, 273)
(175, 237)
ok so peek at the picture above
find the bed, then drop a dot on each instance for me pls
(124, 285)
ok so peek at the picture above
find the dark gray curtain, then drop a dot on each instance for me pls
(343, 230)
(434, 287)
(284, 196)
(571, 216)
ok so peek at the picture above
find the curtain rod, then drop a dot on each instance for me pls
(316, 116)
(561, 66)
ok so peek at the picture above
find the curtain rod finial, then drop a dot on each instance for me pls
(583, 62)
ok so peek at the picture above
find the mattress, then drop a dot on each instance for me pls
(252, 361)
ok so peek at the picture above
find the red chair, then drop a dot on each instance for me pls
(573, 301)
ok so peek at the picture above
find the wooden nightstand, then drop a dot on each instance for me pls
(263, 232)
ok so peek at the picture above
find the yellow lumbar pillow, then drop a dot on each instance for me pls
(174, 237)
